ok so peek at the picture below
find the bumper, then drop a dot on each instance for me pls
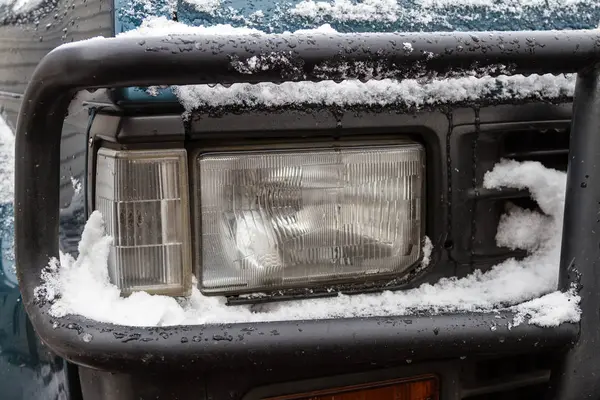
(265, 346)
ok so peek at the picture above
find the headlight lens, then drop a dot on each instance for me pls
(281, 219)
(143, 196)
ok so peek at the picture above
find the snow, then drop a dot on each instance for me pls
(500, 4)
(409, 93)
(206, 6)
(346, 10)
(77, 186)
(424, 11)
(427, 250)
(7, 163)
(18, 7)
(161, 26)
(526, 287)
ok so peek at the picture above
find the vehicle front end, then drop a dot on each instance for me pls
(319, 216)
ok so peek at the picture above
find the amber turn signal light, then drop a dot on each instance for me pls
(417, 388)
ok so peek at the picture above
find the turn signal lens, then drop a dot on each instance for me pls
(420, 388)
(143, 196)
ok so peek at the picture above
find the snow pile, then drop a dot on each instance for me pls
(82, 286)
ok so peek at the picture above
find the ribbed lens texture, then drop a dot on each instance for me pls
(141, 202)
(277, 220)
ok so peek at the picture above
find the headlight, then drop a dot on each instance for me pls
(143, 196)
(281, 219)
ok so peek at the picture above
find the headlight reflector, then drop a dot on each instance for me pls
(272, 220)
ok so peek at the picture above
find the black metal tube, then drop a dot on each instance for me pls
(578, 375)
(304, 344)
(190, 59)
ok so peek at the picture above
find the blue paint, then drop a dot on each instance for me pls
(28, 371)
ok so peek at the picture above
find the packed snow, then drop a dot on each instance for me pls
(527, 287)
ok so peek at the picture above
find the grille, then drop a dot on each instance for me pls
(476, 211)
(516, 377)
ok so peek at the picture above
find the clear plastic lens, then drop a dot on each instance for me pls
(142, 196)
(273, 220)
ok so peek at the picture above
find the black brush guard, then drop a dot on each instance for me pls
(188, 59)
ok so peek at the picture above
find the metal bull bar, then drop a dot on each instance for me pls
(189, 59)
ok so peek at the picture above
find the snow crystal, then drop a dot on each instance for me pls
(76, 183)
(206, 6)
(265, 62)
(82, 286)
(500, 5)
(427, 250)
(7, 163)
(425, 11)
(19, 7)
(325, 28)
(346, 10)
(407, 47)
(161, 26)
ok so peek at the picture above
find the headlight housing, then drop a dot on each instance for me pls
(271, 220)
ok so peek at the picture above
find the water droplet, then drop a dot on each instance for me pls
(223, 337)
(87, 337)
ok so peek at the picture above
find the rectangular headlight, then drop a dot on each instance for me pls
(143, 197)
(272, 220)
